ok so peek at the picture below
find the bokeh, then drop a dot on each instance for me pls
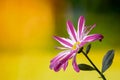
(26, 37)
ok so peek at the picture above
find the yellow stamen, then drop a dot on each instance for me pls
(75, 45)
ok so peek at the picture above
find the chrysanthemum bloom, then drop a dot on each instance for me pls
(72, 44)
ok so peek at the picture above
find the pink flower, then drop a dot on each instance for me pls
(72, 45)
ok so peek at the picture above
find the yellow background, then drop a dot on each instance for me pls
(26, 44)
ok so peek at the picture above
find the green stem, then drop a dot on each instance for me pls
(102, 76)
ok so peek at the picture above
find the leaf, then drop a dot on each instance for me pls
(85, 67)
(107, 60)
(88, 48)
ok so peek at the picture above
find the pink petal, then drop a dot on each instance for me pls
(68, 56)
(63, 41)
(75, 66)
(93, 37)
(61, 62)
(81, 23)
(71, 31)
(65, 65)
(60, 55)
(58, 66)
(57, 59)
(82, 44)
(55, 63)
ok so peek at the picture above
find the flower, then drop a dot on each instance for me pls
(72, 44)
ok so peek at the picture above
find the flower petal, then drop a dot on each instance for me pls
(63, 41)
(71, 31)
(81, 23)
(93, 37)
(65, 65)
(82, 44)
(60, 55)
(58, 66)
(75, 66)
(61, 62)
(55, 62)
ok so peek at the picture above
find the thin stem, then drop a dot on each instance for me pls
(103, 77)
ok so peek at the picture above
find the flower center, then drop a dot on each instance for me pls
(75, 45)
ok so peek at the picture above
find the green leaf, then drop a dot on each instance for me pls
(107, 60)
(88, 48)
(85, 67)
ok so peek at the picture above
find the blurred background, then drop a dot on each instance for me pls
(27, 46)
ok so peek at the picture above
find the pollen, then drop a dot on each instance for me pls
(75, 45)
